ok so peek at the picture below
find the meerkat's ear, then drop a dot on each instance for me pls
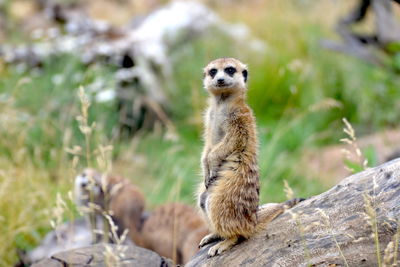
(245, 74)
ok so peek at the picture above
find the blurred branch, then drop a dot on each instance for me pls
(368, 47)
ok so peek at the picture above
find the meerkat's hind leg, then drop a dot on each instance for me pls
(223, 246)
(209, 239)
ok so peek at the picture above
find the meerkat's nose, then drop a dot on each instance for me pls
(84, 183)
(221, 81)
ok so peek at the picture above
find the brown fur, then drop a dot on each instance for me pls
(174, 225)
(125, 201)
(229, 195)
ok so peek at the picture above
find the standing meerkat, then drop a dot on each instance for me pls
(229, 195)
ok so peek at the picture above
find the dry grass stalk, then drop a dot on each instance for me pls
(355, 152)
(302, 230)
(58, 213)
(83, 120)
(371, 218)
(114, 257)
(327, 222)
(325, 104)
(288, 190)
(103, 159)
(86, 130)
(390, 253)
(104, 162)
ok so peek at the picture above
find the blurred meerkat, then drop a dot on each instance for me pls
(115, 194)
(229, 195)
(174, 230)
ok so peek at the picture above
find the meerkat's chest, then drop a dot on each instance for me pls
(217, 123)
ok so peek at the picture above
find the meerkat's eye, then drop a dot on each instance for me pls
(213, 72)
(230, 71)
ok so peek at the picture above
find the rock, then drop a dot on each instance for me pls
(101, 255)
(69, 235)
(331, 229)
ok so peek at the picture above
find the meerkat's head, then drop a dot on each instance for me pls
(86, 183)
(225, 75)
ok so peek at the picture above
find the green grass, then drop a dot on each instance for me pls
(291, 89)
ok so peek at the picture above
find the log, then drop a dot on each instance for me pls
(330, 229)
(102, 255)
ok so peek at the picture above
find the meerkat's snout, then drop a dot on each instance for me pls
(221, 82)
(86, 182)
(83, 181)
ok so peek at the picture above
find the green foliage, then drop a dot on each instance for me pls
(48, 105)
(393, 47)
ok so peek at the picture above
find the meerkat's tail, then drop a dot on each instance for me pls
(292, 202)
(267, 212)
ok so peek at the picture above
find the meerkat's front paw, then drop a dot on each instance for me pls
(222, 246)
(209, 239)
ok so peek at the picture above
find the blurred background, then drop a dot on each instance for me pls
(139, 66)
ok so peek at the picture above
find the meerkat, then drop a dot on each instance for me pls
(113, 194)
(174, 230)
(229, 195)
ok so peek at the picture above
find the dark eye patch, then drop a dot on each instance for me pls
(244, 72)
(230, 71)
(213, 72)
